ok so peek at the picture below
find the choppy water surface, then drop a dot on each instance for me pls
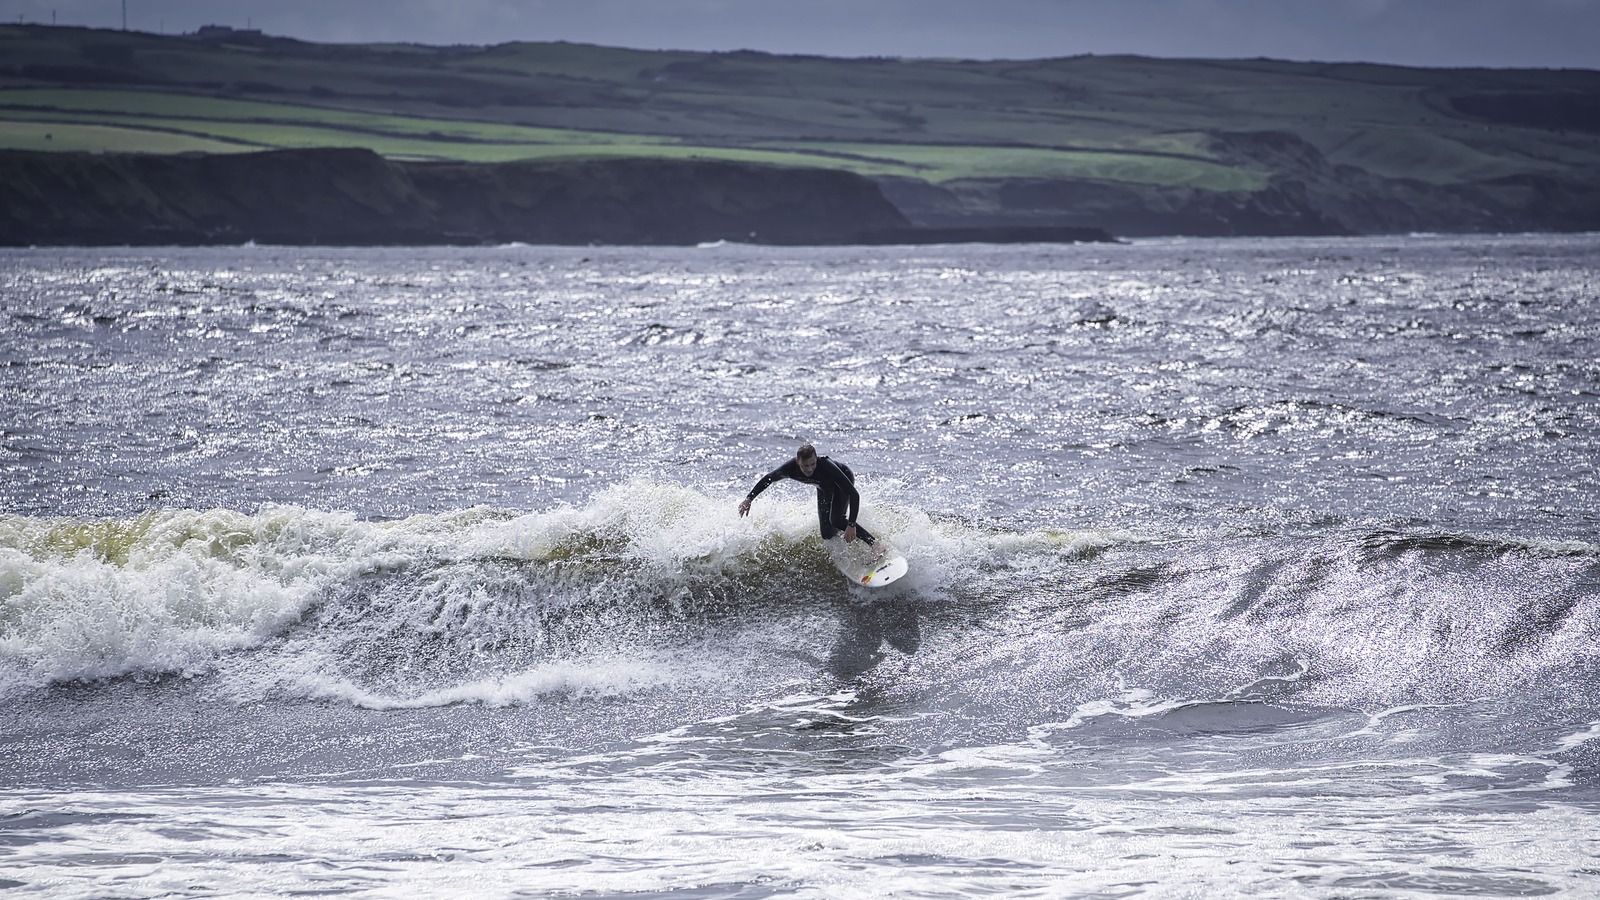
(1238, 566)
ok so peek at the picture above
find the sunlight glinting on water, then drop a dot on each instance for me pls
(1249, 566)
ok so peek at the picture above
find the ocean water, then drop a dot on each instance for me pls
(1239, 567)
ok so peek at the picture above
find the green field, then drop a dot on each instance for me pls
(940, 163)
(163, 122)
(65, 137)
(1125, 120)
(135, 105)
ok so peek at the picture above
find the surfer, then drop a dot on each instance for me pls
(837, 499)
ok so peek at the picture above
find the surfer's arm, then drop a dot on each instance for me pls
(767, 480)
(852, 503)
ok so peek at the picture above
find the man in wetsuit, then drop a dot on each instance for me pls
(837, 500)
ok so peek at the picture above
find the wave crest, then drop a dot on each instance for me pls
(474, 596)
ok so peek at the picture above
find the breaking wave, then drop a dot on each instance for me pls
(653, 587)
(481, 596)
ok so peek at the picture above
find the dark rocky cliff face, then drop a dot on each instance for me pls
(312, 197)
(357, 197)
(642, 201)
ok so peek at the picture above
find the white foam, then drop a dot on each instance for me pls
(596, 677)
(642, 521)
(167, 591)
(1136, 703)
(1573, 741)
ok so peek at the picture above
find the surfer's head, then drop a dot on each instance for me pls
(806, 458)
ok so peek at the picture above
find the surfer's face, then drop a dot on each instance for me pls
(807, 466)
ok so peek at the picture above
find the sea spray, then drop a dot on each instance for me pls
(469, 594)
(169, 590)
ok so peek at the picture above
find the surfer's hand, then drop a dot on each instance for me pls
(850, 535)
(744, 508)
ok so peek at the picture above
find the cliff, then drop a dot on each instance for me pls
(357, 197)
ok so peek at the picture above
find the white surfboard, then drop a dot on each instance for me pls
(857, 563)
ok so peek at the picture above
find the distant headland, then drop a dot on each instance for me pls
(789, 149)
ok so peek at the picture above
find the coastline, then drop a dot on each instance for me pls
(354, 197)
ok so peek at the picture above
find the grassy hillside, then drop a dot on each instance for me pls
(1136, 123)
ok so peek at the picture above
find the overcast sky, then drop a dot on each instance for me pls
(1542, 33)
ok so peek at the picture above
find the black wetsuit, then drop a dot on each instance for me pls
(837, 500)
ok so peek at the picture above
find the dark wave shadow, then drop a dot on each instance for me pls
(869, 630)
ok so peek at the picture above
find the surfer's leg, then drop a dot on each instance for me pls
(865, 535)
(830, 508)
(825, 514)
